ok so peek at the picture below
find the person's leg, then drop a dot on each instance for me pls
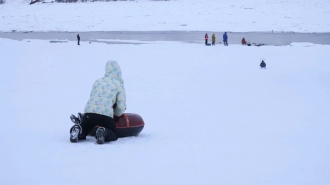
(106, 128)
(89, 121)
(104, 134)
(110, 127)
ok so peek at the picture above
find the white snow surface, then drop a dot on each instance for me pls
(186, 15)
(212, 115)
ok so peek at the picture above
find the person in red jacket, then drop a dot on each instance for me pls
(243, 41)
(206, 38)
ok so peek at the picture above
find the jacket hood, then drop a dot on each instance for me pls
(113, 70)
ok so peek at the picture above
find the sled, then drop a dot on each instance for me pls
(207, 44)
(128, 124)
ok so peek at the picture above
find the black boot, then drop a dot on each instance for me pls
(75, 132)
(74, 119)
(100, 135)
(76, 129)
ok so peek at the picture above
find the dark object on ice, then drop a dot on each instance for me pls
(33, 1)
(78, 38)
(263, 64)
(207, 44)
(258, 44)
(128, 124)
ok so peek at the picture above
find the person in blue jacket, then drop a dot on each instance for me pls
(225, 39)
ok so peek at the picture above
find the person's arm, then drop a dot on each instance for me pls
(120, 107)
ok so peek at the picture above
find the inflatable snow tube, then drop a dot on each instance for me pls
(128, 124)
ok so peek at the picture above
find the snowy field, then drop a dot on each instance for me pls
(186, 15)
(212, 115)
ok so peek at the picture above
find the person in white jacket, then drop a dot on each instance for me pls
(107, 99)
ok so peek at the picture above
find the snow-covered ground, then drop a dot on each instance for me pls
(146, 15)
(212, 115)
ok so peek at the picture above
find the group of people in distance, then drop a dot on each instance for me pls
(225, 39)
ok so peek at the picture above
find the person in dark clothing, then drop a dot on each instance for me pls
(225, 39)
(206, 38)
(263, 64)
(78, 38)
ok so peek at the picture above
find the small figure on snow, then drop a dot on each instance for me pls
(78, 38)
(213, 39)
(206, 38)
(243, 41)
(225, 39)
(107, 99)
(262, 64)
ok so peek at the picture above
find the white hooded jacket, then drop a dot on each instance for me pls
(108, 93)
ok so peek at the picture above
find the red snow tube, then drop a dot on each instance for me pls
(128, 124)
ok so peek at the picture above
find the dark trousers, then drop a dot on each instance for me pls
(79, 42)
(213, 43)
(225, 42)
(205, 41)
(90, 120)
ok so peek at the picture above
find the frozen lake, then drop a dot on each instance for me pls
(129, 37)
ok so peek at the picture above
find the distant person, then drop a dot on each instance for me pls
(213, 39)
(78, 38)
(206, 38)
(107, 99)
(225, 39)
(263, 64)
(243, 41)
